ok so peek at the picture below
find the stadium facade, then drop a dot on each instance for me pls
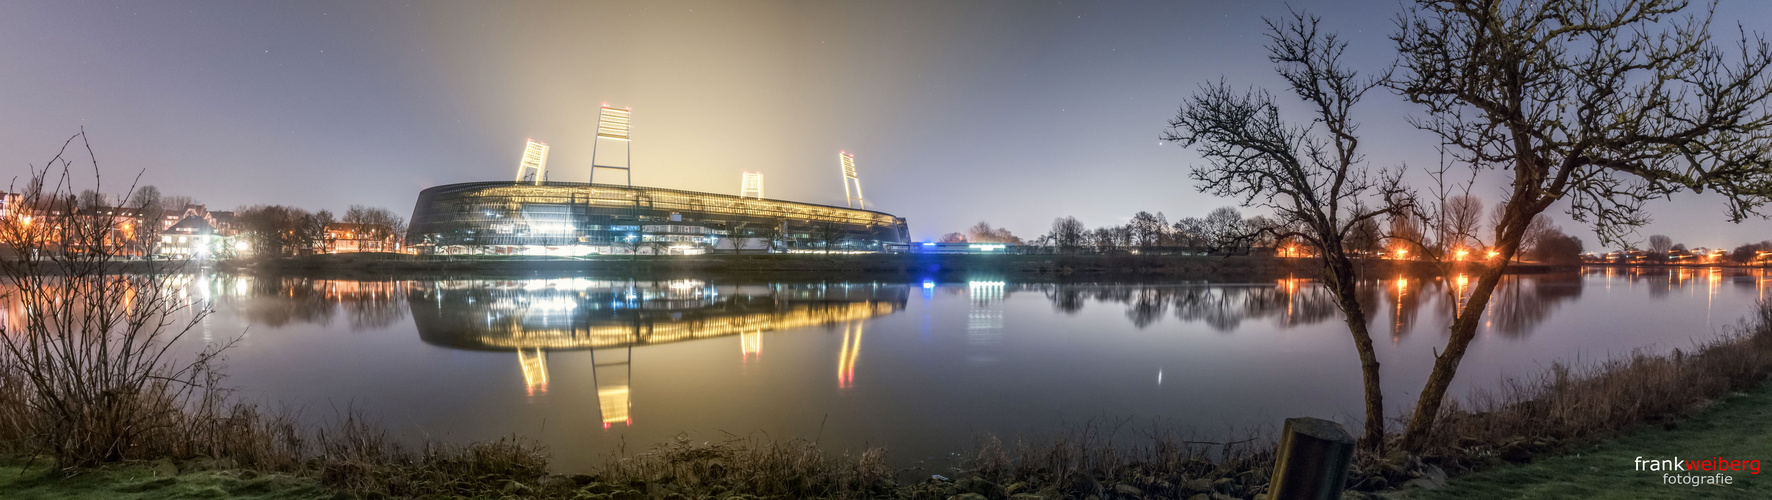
(575, 218)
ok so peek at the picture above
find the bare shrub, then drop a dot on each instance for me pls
(87, 362)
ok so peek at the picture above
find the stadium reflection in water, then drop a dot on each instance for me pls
(610, 318)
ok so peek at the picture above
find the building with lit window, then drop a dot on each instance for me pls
(189, 238)
(344, 237)
(575, 218)
(932, 247)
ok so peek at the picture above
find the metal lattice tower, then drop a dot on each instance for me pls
(612, 125)
(849, 178)
(752, 187)
(534, 165)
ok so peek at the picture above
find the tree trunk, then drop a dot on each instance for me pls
(1338, 274)
(1463, 331)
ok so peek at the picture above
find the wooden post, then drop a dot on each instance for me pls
(1312, 461)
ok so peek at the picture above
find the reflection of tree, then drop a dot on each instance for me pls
(1522, 303)
(1218, 307)
(1519, 305)
(374, 311)
(278, 302)
(1066, 299)
(1659, 285)
(1223, 308)
(1148, 306)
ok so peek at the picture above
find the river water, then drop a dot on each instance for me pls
(591, 366)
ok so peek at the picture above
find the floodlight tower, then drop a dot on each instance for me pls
(534, 165)
(612, 126)
(752, 187)
(849, 178)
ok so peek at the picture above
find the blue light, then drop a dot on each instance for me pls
(928, 284)
(928, 243)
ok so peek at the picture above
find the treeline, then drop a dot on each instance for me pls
(1448, 234)
(280, 230)
(1663, 249)
(1222, 231)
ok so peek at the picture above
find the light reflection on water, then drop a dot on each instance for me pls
(588, 365)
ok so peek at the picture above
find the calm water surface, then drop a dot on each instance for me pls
(587, 365)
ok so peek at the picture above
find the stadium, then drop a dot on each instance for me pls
(576, 218)
(531, 215)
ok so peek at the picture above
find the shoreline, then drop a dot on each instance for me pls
(907, 267)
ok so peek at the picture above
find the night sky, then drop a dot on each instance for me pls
(1009, 112)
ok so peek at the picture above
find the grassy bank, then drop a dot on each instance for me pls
(1735, 428)
(22, 479)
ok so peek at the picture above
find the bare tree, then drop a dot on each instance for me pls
(772, 234)
(1660, 244)
(633, 241)
(984, 233)
(276, 230)
(1067, 234)
(1604, 104)
(1148, 229)
(146, 230)
(377, 223)
(1102, 238)
(1462, 215)
(828, 234)
(1366, 237)
(1190, 232)
(735, 236)
(1225, 228)
(176, 202)
(310, 236)
(1310, 174)
(1408, 237)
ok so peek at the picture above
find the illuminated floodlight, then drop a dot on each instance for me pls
(751, 186)
(849, 179)
(613, 124)
(534, 164)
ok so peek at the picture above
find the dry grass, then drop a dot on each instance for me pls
(1565, 405)
(792, 469)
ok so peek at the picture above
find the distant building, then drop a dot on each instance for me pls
(931, 247)
(221, 222)
(346, 238)
(191, 237)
